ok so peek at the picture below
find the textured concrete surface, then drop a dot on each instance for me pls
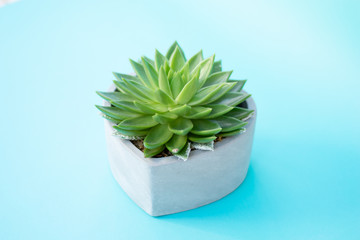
(162, 186)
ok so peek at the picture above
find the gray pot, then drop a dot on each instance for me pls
(162, 186)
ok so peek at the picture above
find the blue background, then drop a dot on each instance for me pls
(301, 59)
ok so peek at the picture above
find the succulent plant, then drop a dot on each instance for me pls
(176, 103)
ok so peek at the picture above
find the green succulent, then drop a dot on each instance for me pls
(176, 103)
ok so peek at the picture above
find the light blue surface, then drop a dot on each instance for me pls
(301, 60)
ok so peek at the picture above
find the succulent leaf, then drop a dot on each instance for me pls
(117, 113)
(157, 136)
(177, 60)
(229, 124)
(181, 126)
(240, 113)
(172, 49)
(176, 143)
(150, 108)
(150, 72)
(189, 90)
(218, 77)
(204, 127)
(132, 133)
(195, 60)
(180, 110)
(184, 153)
(176, 84)
(198, 112)
(211, 93)
(140, 72)
(205, 68)
(217, 67)
(209, 146)
(115, 96)
(159, 59)
(164, 84)
(139, 123)
(163, 98)
(131, 90)
(232, 133)
(218, 110)
(126, 106)
(201, 139)
(238, 86)
(120, 76)
(164, 118)
(175, 103)
(232, 98)
(152, 152)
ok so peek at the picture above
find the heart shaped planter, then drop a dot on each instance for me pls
(167, 185)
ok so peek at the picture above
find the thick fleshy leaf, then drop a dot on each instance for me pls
(240, 113)
(239, 85)
(205, 127)
(219, 77)
(232, 98)
(201, 139)
(198, 112)
(185, 73)
(119, 114)
(232, 133)
(177, 60)
(131, 133)
(139, 123)
(195, 60)
(157, 136)
(111, 119)
(150, 72)
(163, 98)
(120, 76)
(211, 93)
(176, 143)
(184, 153)
(217, 67)
(127, 106)
(170, 75)
(176, 84)
(181, 126)
(226, 87)
(149, 61)
(150, 108)
(118, 134)
(164, 84)
(159, 59)
(164, 118)
(167, 67)
(180, 110)
(140, 72)
(218, 110)
(152, 152)
(205, 93)
(189, 90)
(209, 146)
(205, 68)
(121, 86)
(115, 96)
(229, 124)
(172, 49)
(134, 89)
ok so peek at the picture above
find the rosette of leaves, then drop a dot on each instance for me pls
(176, 103)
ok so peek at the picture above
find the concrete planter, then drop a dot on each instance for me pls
(162, 186)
